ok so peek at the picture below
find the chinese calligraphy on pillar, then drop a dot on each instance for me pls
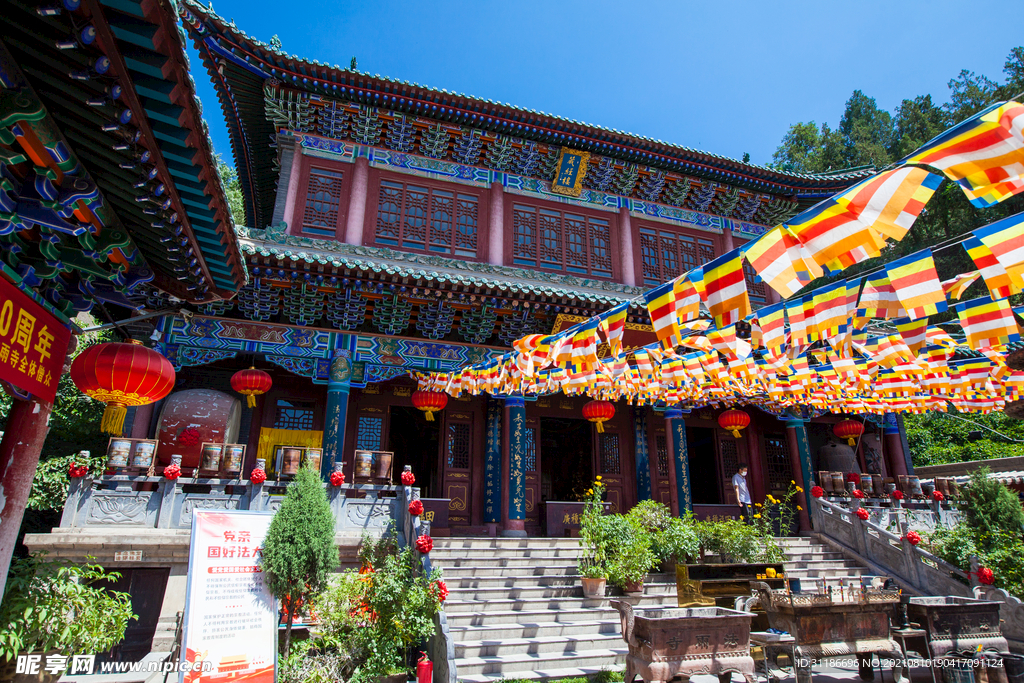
(516, 450)
(337, 408)
(803, 448)
(643, 464)
(569, 172)
(680, 457)
(33, 344)
(492, 465)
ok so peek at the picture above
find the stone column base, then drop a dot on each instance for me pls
(515, 528)
(492, 529)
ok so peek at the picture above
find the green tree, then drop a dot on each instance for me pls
(866, 132)
(935, 438)
(233, 190)
(916, 122)
(991, 508)
(299, 553)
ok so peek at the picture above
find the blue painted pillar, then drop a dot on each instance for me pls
(515, 421)
(337, 411)
(492, 466)
(679, 472)
(643, 454)
(800, 464)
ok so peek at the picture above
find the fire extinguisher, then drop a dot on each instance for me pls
(424, 670)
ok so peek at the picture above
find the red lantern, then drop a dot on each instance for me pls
(429, 402)
(122, 375)
(251, 383)
(599, 412)
(733, 421)
(849, 430)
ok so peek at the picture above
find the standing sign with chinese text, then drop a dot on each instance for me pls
(230, 616)
(569, 172)
(33, 344)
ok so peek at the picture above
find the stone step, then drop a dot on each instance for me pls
(538, 645)
(541, 592)
(520, 561)
(800, 556)
(483, 543)
(595, 610)
(498, 631)
(829, 574)
(819, 564)
(444, 554)
(540, 674)
(514, 571)
(497, 581)
(506, 664)
(456, 607)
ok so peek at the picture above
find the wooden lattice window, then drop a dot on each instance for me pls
(427, 219)
(458, 445)
(369, 433)
(730, 456)
(294, 414)
(530, 450)
(665, 254)
(776, 454)
(561, 240)
(610, 460)
(323, 197)
(661, 448)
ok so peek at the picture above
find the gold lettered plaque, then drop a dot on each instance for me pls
(569, 172)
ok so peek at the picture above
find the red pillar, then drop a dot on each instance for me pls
(140, 423)
(758, 486)
(798, 471)
(27, 424)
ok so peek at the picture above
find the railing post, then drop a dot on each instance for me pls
(166, 490)
(862, 528)
(76, 493)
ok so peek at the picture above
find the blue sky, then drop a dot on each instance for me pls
(723, 77)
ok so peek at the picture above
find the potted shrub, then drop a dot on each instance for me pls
(59, 608)
(633, 558)
(676, 544)
(593, 559)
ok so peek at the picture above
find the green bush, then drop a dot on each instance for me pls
(990, 507)
(732, 539)
(954, 545)
(678, 542)
(633, 557)
(60, 606)
(651, 515)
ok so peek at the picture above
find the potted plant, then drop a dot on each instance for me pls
(593, 560)
(633, 559)
(58, 608)
(676, 544)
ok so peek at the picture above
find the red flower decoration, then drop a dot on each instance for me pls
(853, 477)
(440, 588)
(424, 544)
(937, 496)
(416, 508)
(862, 513)
(817, 491)
(189, 437)
(408, 478)
(337, 478)
(986, 576)
(897, 494)
(258, 475)
(857, 493)
(172, 472)
(913, 537)
(76, 471)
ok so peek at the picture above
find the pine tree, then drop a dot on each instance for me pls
(299, 553)
(991, 508)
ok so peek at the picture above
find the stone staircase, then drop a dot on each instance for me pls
(516, 610)
(810, 561)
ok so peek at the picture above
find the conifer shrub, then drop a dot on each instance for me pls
(299, 552)
(991, 508)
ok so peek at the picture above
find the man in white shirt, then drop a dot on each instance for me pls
(739, 483)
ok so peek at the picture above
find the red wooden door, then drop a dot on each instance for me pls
(531, 465)
(608, 457)
(731, 452)
(456, 451)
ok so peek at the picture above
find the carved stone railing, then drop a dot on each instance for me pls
(1011, 615)
(917, 516)
(887, 553)
(158, 503)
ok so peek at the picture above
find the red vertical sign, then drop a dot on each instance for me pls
(33, 344)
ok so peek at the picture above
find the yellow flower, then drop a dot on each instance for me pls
(800, 489)
(792, 481)
(599, 477)
(590, 492)
(799, 508)
(741, 518)
(757, 505)
(758, 516)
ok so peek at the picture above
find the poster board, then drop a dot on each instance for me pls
(230, 617)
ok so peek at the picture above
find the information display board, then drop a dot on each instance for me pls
(230, 616)
(33, 343)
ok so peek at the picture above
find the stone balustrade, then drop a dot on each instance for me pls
(158, 503)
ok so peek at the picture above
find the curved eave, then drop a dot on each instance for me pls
(146, 49)
(265, 62)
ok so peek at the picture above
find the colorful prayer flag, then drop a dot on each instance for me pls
(661, 305)
(984, 154)
(914, 333)
(954, 288)
(781, 261)
(831, 313)
(987, 323)
(879, 300)
(772, 321)
(1000, 284)
(917, 285)
(725, 289)
(1005, 239)
(613, 324)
